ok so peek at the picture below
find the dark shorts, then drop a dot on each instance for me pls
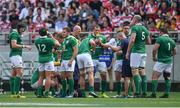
(76, 72)
(126, 69)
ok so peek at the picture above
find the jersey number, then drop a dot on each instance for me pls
(143, 36)
(42, 47)
(169, 46)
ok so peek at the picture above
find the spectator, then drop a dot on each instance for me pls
(106, 26)
(60, 23)
(96, 6)
(13, 6)
(38, 25)
(30, 13)
(39, 14)
(83, 27)
(74, 4)
(173, 10)
(5, 24)
(73, 18)
(39, 5)
(30, 24)
(50, 21)
(163, 9)
(60, 9)
(126, 16)
(151, 24)
(174, 24)
(167, 25)
(84, 13)
(13, 18)
(116, 19)
(49, 8)
(24, 11)
(90, 22)
(151, 8)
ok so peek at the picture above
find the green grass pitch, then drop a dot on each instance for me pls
(32, 101)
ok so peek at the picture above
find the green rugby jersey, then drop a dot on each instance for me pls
(141, 36)
(68, 44)
(99, 50)
(14, 35)
(45, 46)
(166, 47)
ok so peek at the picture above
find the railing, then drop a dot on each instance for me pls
(28, 36)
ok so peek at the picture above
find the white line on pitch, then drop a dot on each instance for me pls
(46, 104)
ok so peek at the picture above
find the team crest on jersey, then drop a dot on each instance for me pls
(67, 41)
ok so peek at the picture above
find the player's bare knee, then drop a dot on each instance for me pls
(82, 75)
(90, 70)
(18, 72)
(142, 71)
(135, 71)
(103, 76)
(167, 76)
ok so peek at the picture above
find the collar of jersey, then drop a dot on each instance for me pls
(166, 35)
(43, 37)
(138, 24)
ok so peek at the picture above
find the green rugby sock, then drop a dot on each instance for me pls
(40, 91)
(83, 92)
(167, 86)
(71, 86)
(53, 90)
(137, 81)
(64, 84)
(144, 83)
(12, 81)
(118, 87)
(17, 84)
(154, 86)
(103, 86)
(91, 88)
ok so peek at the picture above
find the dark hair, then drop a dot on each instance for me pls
(126, 23)
(97, 26)
(43, 32)
(21, 25)
(67, 29)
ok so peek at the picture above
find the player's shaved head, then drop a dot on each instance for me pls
(76, 28)
(138, 18)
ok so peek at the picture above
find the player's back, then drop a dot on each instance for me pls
(141, 36)
(45, 46)
(166, 47)
(84, 46)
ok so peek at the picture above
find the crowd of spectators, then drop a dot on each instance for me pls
(109, 14)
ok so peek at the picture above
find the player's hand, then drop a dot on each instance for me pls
(127, 56)
(70, 63)
(28, 47)
(154, 59)
(49, 34)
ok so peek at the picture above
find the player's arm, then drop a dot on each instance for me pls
(75, 52)
(131, 43)
(92, 43)
(15, 45)
(57, 44)
(104, 45)
(155, 50)
(148, 41)
(174, 52)
(115, 48)
(74, 43)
